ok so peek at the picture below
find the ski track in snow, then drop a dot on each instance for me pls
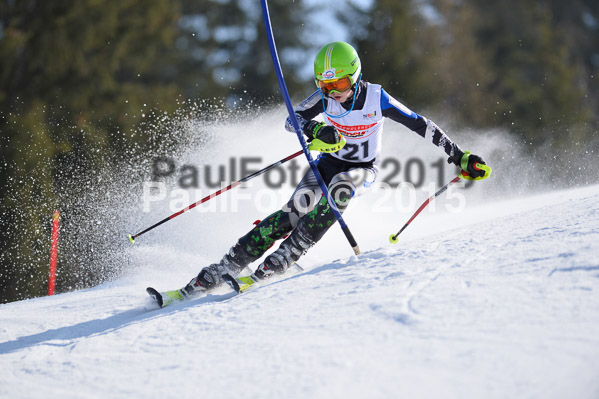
(500, 306)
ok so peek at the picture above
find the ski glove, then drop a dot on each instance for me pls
(321, 131)
(470, 163)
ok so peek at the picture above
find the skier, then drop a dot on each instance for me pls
(353, 111)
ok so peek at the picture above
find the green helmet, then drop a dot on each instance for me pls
(336, 60)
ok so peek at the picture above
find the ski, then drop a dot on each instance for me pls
(238, 284)
(248, 283)
(162, 299)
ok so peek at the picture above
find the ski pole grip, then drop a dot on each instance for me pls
(478, 166)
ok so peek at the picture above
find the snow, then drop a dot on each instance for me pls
(498, 300)
(504, 307)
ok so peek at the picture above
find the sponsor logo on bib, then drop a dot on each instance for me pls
(356, 131)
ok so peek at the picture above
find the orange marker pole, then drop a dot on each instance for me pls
(53, 253)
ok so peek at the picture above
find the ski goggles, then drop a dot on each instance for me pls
(339, 85)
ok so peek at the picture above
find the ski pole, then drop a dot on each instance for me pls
(219, 192)
(463, 175)
(393, 238)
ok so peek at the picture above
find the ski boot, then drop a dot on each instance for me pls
(310, 229)
(249, 248)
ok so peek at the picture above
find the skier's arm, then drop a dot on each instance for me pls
(393, 109)
(309, 109)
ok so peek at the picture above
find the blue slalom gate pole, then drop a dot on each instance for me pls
(300, 136)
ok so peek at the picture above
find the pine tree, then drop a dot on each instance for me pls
(74, 77)
(230, 55)
(398, 48)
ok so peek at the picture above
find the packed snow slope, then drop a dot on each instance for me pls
(498, 301)
(492, 292)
